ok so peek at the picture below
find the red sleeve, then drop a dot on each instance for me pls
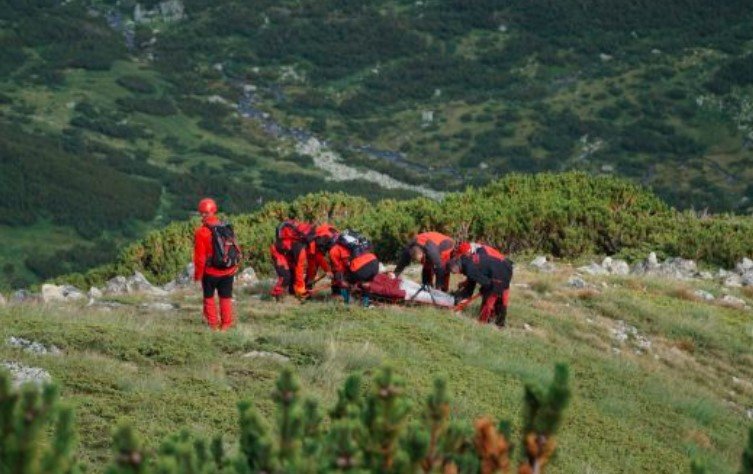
(199, 253)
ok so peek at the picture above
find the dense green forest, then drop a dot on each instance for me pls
(168, 101)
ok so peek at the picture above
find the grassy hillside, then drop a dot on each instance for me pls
(185, 98)
(636, 407)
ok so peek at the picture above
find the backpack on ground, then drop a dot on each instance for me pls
(226, 253)
(356, 243)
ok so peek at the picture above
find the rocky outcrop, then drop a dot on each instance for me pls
(675, 268)
(22, 375)
(182, 280)
(542, 264)
(32, 346)
(137, 283)
(61, 294)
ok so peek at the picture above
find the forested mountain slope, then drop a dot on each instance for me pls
(152, 104)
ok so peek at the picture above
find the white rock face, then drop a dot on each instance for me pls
(21, 374)
(744, 266)
(94, 293)
(615, 266)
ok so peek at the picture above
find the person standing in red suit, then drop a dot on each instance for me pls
(213, 280)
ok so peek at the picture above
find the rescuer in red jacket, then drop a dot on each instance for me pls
(212, 279)
(433, 250)
(289, 256)
(487, 267)
(352, 267)
(321, 238)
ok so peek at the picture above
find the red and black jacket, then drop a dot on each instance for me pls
(487, 267)
(437, 250)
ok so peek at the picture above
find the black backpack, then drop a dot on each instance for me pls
(356, 243)
(226, 253)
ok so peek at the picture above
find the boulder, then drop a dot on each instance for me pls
(266, 355)
(116, 286)
(541, 263)
(54, 293)
(137, 283)
(24, 296)
(182, 280)
(593, 269)
(576, 282)
(679, 268)
(704, 295)
(747, 278)
(22, 375)
(247, 278)
(744, 266)
(733, 281)
(615, 266)
(94, 293)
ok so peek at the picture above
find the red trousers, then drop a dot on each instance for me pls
(494, 304)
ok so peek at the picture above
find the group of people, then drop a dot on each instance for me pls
(302, 249)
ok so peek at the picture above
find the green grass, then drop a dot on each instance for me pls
(630, 413)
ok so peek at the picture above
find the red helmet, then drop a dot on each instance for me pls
(207, 206)
(463, 248)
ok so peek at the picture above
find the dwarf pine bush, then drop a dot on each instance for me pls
(565, 215)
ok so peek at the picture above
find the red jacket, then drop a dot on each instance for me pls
(342, 264)
(202, 252)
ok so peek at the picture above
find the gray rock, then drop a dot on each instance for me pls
(652, 261)
(706, 276)
(593, 269)
(33, 346)
(158, 306)
(266, 355)
(247, 278)
(733, 300)
(542, 264)
(116, 286)
(22, 375)
(137, 283)
(747, 278)
(182, 280)
(615, 266)
(744, 266)
(54, 293)
(733, 281)
(94, 293)
(704, 295)
(24, 296)
(576, 282)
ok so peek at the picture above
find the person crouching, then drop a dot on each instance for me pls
(487, 267)
(353, 266)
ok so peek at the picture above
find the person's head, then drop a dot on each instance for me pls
(463, 248)
(454, 265)
(416, 253)
(207, 208)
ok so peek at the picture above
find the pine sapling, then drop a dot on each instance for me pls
(290, 418)
(349, 403)
(384, 416)
(437, 416)
(256, 444)
(543, 414)
(492, 447)
(129, 456)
